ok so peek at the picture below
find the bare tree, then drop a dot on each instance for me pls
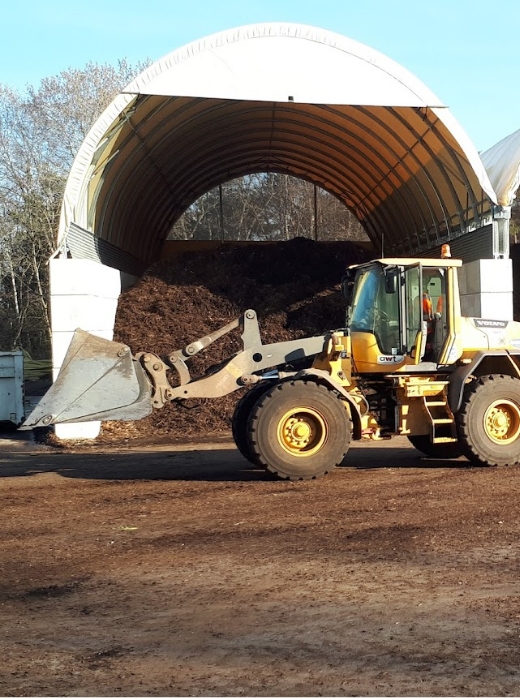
(40, 133)
(268, 207)
(65, 106)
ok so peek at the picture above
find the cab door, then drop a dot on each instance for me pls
(435, 288)
(414, 327)
(426, 312)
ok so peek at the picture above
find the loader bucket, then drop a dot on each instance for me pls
(98, 380)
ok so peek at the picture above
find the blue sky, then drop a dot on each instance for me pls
(463, 51)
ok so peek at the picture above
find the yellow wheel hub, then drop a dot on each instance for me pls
(302, 431)
(502, 421)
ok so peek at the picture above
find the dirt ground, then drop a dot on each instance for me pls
(181, 570)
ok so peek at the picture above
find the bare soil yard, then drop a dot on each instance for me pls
(181, 570)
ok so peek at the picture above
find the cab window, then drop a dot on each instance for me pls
(375, 309)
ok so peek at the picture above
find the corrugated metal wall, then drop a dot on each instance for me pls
(469, 247)
(84, 245)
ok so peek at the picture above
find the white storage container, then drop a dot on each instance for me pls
(11, 387)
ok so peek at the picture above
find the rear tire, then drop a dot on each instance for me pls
(299, 430)
(241, 417)
(442, 451)
(489, 420)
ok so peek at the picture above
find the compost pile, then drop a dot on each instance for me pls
(294, 287)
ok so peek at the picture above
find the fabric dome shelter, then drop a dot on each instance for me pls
(273, 98)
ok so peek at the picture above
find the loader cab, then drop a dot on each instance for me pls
(398, 313)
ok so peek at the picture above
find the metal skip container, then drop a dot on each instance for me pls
(11, 387)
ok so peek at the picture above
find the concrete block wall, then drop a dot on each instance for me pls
(486, 289)
(84, 294)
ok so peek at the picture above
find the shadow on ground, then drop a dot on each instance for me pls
(20, 456)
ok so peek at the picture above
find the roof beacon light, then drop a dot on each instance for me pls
(445, 252)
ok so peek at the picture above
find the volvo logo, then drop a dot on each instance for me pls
(490, 323)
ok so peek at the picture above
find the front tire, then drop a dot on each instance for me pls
(489, 420)
(299, 430)
(442, 451)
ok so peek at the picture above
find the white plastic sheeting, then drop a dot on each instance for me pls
(502, 162)
(277, 98)
(278, 62)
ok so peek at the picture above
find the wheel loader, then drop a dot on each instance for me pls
(406, 363)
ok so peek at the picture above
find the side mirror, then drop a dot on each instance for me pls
(390, 281)
(347, 286)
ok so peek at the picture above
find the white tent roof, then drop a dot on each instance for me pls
(281, 98)
(277, 62)
(502, 162)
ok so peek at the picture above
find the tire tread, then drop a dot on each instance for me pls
(274, 394)
(472, 393)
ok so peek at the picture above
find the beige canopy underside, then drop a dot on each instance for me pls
(277, 98)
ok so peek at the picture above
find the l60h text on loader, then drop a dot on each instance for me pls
(407, 363)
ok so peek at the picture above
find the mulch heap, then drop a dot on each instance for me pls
(294, 287)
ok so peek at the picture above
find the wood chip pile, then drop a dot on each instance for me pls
(293, 286)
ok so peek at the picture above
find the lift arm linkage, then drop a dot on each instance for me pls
(239, 370)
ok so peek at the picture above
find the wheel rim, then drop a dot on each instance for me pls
(302, 431)
(502, 421)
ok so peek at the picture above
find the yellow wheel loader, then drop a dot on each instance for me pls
(407, 363)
